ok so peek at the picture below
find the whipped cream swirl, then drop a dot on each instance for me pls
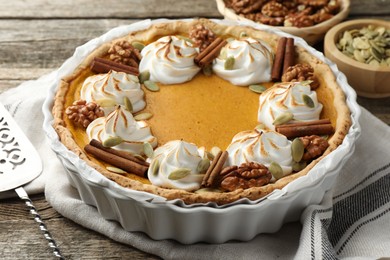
(288, 97)
(121, 123)
(170, 60)
(261, 146)
(110, 89)
(172, 156)
(252, 62)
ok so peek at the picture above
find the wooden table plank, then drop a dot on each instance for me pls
(144, 8)
(20, 237)
(112, 9)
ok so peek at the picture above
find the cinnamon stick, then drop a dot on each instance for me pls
(306, 123)
(122, 154)
(210, 53)
(100, 65)
(289, 54)
(317, 127)
(117, 161)
(211, 176)
(278, 61)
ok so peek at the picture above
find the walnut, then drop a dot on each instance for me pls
(259, 17)
(320, 17)
(300, 19)
(314, 3)
(123, 52)
(274, 9)
(245, 6)
(301, 72)
(314, 146)
(201, 36)
(245, 176)
(290, 5)
(84, 113)
(332, 7)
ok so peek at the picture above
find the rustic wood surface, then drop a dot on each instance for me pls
(36, 37)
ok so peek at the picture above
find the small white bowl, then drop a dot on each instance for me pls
(311, 34)
(368, 80)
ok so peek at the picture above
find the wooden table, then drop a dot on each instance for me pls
(35, 38)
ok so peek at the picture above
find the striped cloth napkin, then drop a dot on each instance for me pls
(352, 221)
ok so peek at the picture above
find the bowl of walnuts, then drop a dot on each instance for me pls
(307, 19)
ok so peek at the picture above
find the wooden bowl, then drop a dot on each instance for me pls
(311, 34)
(368, 80)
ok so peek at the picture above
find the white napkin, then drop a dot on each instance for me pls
(351, 222)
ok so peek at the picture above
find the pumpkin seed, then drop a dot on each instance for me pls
(365, 54)
(139, 157)
(128, 105)
(105, 102)
(143, 116)
(260, 127)
(308, 101)
(306, 82)
(138, 45)
(243, 35)
(283, 118)
(215, 150)
(116, 170)
(358, 56)
(325, 137)
(347, 36)
(148, 150)
(354, 33)
(209, 155)
(229, 63)
(155, 167)
(298, 166)
(376, 46)
(112, 141)
(360, 43)
(343, 42)
(203, 165)
(208, 70)
(350, 50)
(376, 54)
(179, 173)
(374, 62)
(144, 76)
(380, 30)
(276, 170)
(152, 86)
(297, 149)
(257, 88)
(223, 54)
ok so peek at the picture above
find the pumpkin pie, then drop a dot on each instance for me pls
(191, 110)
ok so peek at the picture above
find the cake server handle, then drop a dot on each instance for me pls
(52, 243)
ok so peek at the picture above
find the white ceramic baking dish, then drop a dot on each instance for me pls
(161, 219)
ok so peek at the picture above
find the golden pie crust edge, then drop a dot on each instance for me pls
(342, 122)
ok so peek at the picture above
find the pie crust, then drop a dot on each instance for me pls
(329, 94)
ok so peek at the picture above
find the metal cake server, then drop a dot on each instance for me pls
(20, 163)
